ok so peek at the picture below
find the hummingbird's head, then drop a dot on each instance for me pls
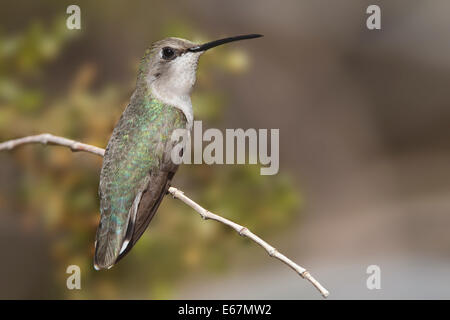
(169, 67)
(171, 64)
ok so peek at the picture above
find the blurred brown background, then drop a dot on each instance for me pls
(364, 148)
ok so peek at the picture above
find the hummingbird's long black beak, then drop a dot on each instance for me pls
(215, 43)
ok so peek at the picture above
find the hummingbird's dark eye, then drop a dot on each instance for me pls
(168, 53)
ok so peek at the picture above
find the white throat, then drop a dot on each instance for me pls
(173, 83)
(182, 102)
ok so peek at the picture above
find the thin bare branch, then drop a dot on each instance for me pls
(47, 138)
(245, 232)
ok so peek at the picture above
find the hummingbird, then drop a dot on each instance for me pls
(137, 166)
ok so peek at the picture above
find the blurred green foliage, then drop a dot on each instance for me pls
(57, 190)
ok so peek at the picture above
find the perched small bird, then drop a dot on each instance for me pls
(137, 165)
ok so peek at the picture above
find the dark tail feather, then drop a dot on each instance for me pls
(107, 250)
(149, 204)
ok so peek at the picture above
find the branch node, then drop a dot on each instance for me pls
(46, 137)
(272, 252)
(205, 215)
(242, 231)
